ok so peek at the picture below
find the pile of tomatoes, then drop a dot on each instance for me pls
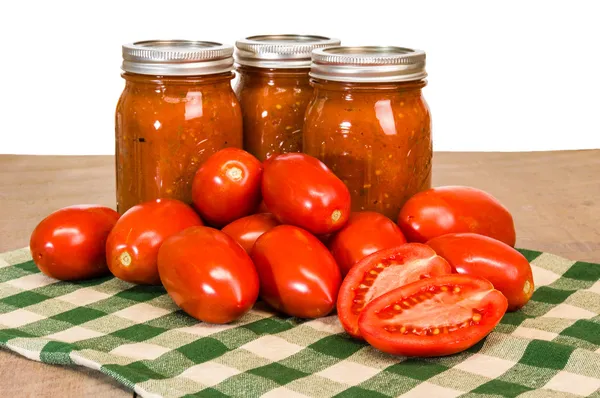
(287, 235)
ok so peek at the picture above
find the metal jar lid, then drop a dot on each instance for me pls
(280, 51)
(177, 58)
(368, 64)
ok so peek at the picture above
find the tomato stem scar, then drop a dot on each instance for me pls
(526, 287)
(336, 215)
(125, 258)
(234, 173)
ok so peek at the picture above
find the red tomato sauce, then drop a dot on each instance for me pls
(273, 104)
(376, 137)
(165, 128)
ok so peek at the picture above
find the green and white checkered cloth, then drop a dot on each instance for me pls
(550, 348)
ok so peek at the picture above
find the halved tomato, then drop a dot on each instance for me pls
(438, 316)
(381, 272)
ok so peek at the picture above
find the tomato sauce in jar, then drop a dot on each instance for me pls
(369, 123)
(176, 110)
(274, 90)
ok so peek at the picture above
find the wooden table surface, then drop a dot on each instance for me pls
(553, 196)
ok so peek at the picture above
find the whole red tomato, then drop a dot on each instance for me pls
(300, 190)
(70, 243)
(247, 230)
(208, 275)
(365, 233)
(227, 186)
(436, 316)
(382, 271)
(298, 276)
(132, 246)
(453, 209)
(473, 254)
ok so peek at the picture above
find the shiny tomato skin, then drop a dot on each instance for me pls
(247, 230)
(298, 275)
(365, 233)
(300, 190)
(368, 279)
(208, 275)
(454, 209)
(465, 313)
(132, 246)
(227, 186)
(473, 254)
(70, 243)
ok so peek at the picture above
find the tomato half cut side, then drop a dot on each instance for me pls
(438, 316)
(381, 272)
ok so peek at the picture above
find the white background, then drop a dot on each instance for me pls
(503, 76)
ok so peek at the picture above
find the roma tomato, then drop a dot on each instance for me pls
(208, 275)
(473, 254)
(227, 186)
(298, 275)
(453, 209)
(70, 243)
(433, 317)
(381, 272)
(365, 233)
(247, 230)
(132, 246)
(300, 190)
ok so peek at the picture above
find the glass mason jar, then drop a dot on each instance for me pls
(369, 123)
(274, 90)
(176, 110)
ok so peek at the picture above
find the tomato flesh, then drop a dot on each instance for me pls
(474, 254)
(438, 316)
(381, 272)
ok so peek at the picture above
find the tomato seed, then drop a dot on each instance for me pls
(397, 307)
(444, 288)
(476, 317)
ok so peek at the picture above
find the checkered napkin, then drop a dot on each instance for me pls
(550, 348)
